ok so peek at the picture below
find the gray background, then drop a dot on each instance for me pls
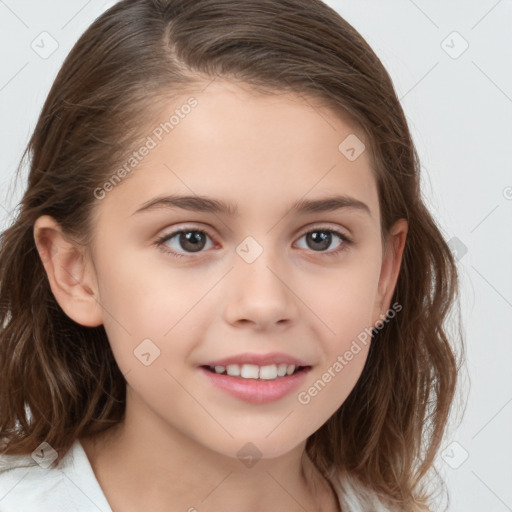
(451, 63)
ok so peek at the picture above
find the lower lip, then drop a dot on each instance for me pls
(257, 391)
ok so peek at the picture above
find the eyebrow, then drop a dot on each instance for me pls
(211, 205)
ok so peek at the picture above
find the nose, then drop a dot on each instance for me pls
(260, 293)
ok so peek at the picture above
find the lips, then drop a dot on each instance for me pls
(254, 387)
(256, 378)
(252, 358)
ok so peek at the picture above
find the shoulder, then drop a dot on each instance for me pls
(28, 485)
(354, 497)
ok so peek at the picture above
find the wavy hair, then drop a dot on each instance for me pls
(59, 380)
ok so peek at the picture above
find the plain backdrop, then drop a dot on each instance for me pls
(451, 64)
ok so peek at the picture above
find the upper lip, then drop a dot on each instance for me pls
(257, 359)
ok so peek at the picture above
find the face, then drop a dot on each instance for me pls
(186, 285)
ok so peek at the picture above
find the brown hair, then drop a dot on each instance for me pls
(388, 431)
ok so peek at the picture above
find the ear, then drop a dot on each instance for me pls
(391, 261)
(71, 278)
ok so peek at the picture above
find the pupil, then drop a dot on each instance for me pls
(324, 238)
(191, 241)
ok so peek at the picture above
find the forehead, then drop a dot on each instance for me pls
(247, 147)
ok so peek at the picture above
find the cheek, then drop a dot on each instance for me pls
(345, 306)
(344, 347)
(344, 298)
(328, 388)
(147, 308)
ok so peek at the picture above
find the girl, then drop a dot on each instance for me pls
(222, 278)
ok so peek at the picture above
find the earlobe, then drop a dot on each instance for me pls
(391, 262)
(72, 282)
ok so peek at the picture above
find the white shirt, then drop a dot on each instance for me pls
(71, 486)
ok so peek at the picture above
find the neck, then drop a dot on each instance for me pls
(144, 464)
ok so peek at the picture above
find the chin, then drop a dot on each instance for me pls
(249, 450)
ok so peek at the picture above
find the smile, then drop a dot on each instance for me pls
(253, 371)
(255, 384)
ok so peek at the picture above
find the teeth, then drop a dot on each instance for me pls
(268, 372)
(281, 370)
(253, 371)
(249, 371)
(233, 370)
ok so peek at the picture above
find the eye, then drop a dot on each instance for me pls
(320, 239)
(189, 240)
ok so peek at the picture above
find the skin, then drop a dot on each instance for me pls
(176, 448)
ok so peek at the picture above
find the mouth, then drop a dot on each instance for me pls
(256, 384)
(255, 372)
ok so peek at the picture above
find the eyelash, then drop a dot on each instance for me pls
(160, 242)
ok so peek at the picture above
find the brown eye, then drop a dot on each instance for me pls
(192, 241)
(319, 240)
(184, 241)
